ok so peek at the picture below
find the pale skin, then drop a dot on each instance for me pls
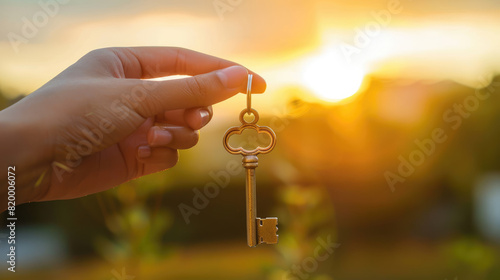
(101, 122)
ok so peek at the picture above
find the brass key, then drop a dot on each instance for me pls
(258, 230)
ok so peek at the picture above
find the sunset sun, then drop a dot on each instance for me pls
(331, 77)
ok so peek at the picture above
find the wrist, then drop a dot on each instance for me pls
(25, 146)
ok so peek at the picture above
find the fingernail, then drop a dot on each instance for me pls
(205, 117)
(233, 77)
(144, 152)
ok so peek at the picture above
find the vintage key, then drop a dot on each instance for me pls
(258, 230)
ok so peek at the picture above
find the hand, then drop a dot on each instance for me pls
(102, 121)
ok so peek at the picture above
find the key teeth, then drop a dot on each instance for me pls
(267, 229)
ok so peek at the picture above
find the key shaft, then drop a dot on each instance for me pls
(250, 162)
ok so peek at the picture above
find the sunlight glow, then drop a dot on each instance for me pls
(331, 77)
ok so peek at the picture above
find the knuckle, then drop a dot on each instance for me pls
(99, 52)
(102, 57)
(180, 64)
(197, 87)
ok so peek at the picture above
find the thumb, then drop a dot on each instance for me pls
(196, 91)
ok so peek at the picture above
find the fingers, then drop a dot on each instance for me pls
(198, 118)
(161, 153)
(197, 91)
(195, 118)
(176, 137)
(153, 62)
(157, 159)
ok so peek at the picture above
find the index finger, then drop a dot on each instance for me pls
(154, 62)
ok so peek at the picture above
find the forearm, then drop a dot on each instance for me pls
(25, 158)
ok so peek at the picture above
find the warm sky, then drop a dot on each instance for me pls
(291, 43)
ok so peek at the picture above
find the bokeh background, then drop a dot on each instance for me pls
(387, 118)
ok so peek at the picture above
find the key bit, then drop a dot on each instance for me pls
(267, 230)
